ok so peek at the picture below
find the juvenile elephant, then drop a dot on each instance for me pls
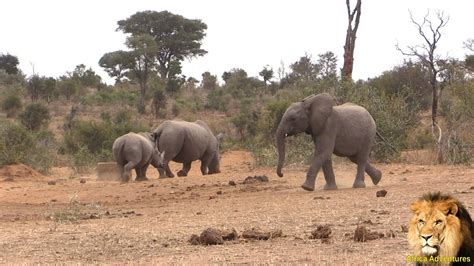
(136, 151)
(184, 142)
(346, 130)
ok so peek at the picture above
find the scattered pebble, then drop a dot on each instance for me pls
(51, 183)
(381, 193)
(255, 179)
(321, 232)
(232, 183)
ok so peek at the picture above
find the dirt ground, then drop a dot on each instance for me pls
(66, 219)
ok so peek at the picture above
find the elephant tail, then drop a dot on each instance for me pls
(386, 141)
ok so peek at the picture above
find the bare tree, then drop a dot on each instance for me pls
(350, 39)
(426, 54)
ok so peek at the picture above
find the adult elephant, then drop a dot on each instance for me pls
(136, 151)
(185, 142)
(347, 130)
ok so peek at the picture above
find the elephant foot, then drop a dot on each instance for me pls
(182, 173)
(358, 184)
(376, 177)
(144, 178)
(308, 184)
(330, 187)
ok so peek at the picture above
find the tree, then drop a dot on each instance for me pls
(35, 116)
(303, 70)
(176, 37)
(426, 54)
(327, 64)
(9, 63)
(68, 87)
(469, 61)
(86, 77)
(49, 90)
(208, 82)
(158, 42)
(117, 64)
(266, 73)
(11, 105)
(350, 39)
(35, 87)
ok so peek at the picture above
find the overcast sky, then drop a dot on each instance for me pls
(55, 36)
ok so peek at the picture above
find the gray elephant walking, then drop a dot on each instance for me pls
(136, 151)
(185, 142)
(347, 130)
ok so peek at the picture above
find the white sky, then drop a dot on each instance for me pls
(55, 36)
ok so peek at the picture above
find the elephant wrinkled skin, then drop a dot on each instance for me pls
(185, 142)
(347, 130)
(136, 151)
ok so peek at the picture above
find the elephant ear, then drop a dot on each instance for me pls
(320, 108)
(220, 137)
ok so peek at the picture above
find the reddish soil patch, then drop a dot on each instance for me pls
(150, 222)
(19, 172)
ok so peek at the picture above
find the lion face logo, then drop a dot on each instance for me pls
(430, 225)
(440, 226)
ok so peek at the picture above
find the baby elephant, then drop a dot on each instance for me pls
(136, 151)
(185, 142)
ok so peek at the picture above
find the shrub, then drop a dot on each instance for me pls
(35, 116)
(18, 145)
(11, 105)
(89, 142)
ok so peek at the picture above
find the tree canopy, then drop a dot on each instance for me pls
(9, 63)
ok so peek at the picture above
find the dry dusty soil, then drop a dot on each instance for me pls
(56, 218)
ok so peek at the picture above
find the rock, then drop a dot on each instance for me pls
(211, 236)
(257, 234)
(229, 234)
(232, 183)
(194, 240)
(51, 183)
(321, 232)
(362, 234)
(219, 192)
(255, 179)
(381, 193)
(82, 181)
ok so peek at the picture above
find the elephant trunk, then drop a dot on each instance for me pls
(280, 141)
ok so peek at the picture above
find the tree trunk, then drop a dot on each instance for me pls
(141, 103)
(350, 40)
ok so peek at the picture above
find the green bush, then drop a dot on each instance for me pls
(35, 116)
(18, 145)
(11, 105)
(89, 142)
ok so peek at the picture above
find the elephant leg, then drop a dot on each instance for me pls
(329, 175)
(185, 170)
(127, 171)
(359, 180)
(325, 146)
(374, 173)
(141, 173)
(205, 164)
(168, 170)
(161, 171)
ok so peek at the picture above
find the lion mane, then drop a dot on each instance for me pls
(441, 227)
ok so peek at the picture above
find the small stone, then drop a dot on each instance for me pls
(51, 183)
(82, 181)
(232, 183)
(381, 193)
(219, 192)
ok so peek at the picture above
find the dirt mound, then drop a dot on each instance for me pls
(321, 232)
(255, 179)
(212, 236)
(363, 234)
(19, 172)
(258, 234)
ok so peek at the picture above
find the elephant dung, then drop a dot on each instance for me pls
(255, 179)
(321, 232)
(258, 234)
(108, 171)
